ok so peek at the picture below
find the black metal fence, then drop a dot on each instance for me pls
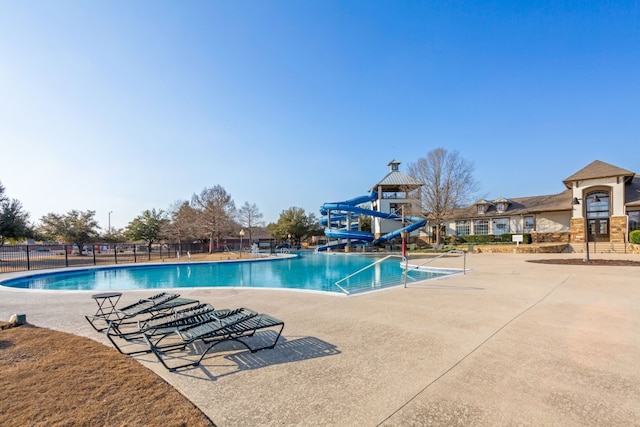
(39, 257)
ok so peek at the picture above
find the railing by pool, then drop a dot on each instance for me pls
(409, 272)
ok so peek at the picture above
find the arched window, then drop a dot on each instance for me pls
(598, 204)
(598, 211)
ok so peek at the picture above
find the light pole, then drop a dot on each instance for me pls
(109, 229)
(576, 201)
(241, 238)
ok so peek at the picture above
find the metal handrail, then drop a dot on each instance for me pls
(458, 251)
(363, 269)
(405, 260)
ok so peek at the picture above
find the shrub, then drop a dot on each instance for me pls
(634, 237)
(484, 239)
(480, 239)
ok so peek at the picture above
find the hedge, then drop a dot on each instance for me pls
(484, 239)
(634, 237)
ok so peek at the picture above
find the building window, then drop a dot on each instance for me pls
(481, 226)
(634, 221)
(500, 226)
(528, 224)
(480, 209)
(501, 206)
(598, 205)
(462, 228)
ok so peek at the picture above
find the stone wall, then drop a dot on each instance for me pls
(577, 230)
(617, 229)
(558, 237)
(520, 249)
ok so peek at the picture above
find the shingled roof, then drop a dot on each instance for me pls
(520, 206)
(396, 180)
(632, 192)
(597, 170)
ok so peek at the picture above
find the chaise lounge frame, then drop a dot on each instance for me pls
(214, 332)
(162, 325)
(155, 305)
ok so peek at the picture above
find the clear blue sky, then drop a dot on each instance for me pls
(130, 105)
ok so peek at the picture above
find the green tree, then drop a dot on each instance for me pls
(215, 211)
(250, 217)
(365, 222)
(448, 184)
(114, 236)
(297, 224)
(146, 227)
(74, 227)
(14, 221)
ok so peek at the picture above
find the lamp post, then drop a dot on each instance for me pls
(241, 237)
(109, 227)
(576, 201)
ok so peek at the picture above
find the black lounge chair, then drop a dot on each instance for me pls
(162, 325)
(153, 306)
(235, 327)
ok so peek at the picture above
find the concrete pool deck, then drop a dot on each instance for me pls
(509, 343)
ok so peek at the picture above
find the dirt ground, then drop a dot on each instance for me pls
(51, 378)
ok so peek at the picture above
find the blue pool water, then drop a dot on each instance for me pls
(309, 271)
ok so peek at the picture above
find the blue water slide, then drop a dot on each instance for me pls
(338, 212)
(416, 222)
(349, 203)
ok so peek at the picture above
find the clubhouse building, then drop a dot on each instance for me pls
(601, 197)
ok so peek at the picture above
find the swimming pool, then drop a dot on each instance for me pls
(308, 271)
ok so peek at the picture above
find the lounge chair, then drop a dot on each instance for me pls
(152, 306)
(159, 326)
(216, 331)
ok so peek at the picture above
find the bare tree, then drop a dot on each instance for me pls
(182, 223)
(449, 184)
(215, 212)
(249, 217)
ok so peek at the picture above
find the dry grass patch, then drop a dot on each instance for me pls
(52, 378)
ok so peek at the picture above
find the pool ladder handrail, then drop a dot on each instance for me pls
(429, 260)
(406, 266)
(363, 269)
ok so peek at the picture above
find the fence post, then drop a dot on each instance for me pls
(66, 256)
(93, 251)
(135, 259)
(115, 253)
(28, 260)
